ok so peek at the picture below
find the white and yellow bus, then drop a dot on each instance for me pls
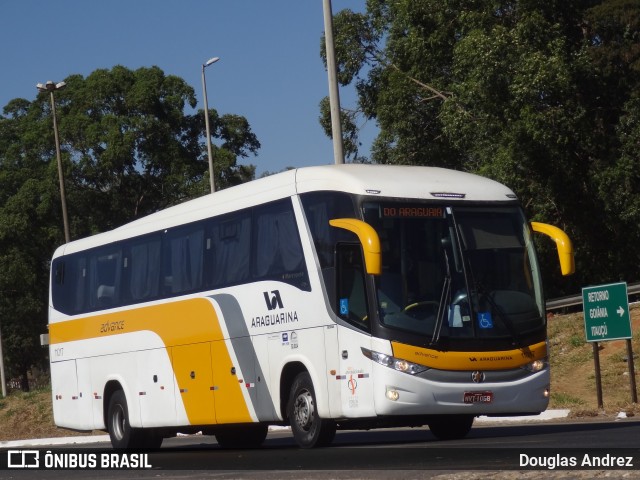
(350, 296)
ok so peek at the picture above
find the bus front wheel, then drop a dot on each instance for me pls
(309, 430)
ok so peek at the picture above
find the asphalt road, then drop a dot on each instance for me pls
(393, 453)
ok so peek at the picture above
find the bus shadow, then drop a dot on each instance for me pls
(479, 437)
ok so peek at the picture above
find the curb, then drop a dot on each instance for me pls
(542, 417)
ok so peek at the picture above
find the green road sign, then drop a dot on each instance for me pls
(606, 312)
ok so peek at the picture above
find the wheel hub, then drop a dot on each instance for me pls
(304, 410)
(118, 423)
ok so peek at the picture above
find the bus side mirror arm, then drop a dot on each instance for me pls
(563, 244)
(368, 238)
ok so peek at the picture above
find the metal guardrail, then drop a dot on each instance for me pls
(573, 300)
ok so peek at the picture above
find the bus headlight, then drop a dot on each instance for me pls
(394, 363)
(536, 366)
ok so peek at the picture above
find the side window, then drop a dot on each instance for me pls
(229, 247)
(260, 243)
(105, 268)
(278, 251)
(351, 296)
(69, 284)
(142, 267)
(183, 260)
(319, 208)
(79, 280)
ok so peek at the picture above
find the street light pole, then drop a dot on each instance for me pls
(211, 61)
(51, 87)
(334, 97)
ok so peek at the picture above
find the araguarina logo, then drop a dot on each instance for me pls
(273, 301)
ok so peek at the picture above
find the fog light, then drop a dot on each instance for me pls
(547, 392)
(392, 395)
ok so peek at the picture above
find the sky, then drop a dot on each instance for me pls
(270, 69)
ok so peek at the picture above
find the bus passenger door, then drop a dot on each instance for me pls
(354, 375)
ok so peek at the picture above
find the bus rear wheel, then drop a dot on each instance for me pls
(309, 430)
(451, 427)
(122, 435)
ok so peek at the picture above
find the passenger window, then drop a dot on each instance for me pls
(183, 260)
(278, 249)
(144, 269)
(319, 208)
(70, 283)
(105, 267)
(230, 245)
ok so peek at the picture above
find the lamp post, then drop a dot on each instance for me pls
(52, 87)
(334, 97)
(211, 61)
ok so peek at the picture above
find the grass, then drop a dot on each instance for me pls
(573, 386)
(573, 379)
(564, 400)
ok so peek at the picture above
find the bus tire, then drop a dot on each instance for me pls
(451, 427)
(242, 436)
(309, 430)
(122, 435)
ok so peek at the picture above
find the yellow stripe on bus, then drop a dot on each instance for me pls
(191, 332)
(497, 360)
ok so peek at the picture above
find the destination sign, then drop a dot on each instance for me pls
(411, 211)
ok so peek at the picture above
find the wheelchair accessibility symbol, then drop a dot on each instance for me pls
(344, 306)
(485, 320)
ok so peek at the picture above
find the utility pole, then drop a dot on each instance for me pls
(334, 96)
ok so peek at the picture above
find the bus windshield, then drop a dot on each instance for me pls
(463, 272)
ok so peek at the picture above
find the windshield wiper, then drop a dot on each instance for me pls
(445, 298)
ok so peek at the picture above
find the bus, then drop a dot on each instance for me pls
(323, 298)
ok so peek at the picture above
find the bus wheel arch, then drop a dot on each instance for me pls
(289, 373)
(109, 389)
(308, 428)
(121, 433)
(116, 420)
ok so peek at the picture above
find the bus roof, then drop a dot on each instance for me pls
(411, 182)
(401, 181)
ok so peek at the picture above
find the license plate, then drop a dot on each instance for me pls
(478, 397)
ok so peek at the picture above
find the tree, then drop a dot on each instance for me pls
(539, 95)
(128, 149)
(134, 150)
(27, 236)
